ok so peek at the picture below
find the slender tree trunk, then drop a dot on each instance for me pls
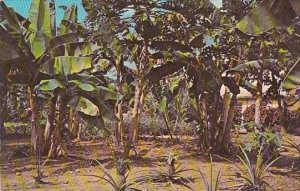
(202, 108)
(214, 126)
(120, 124)
(282, 107)
(71, 118)
(50, 126)
(138, 97)
(135, 119)
(258, 101)
(167, 123)
(57, 147)
(258, 96)
(225, 113)
(75, 126)
(223, 145)
(3, 94)
(120, 128)
(52, 18)
(36, 133)
(140, 109)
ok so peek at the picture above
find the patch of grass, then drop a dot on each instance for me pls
(13, 125)
(17, 127)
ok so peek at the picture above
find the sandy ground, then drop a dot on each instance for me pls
(69, 174)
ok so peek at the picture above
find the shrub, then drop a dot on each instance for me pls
(270, 118)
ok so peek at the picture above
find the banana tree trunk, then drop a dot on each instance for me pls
(75, 126)
(119, 112)
(71, 118)
(3, 93)
(140, 108)
(204, 115)
(283, 114)
(135, 119)
(50, 122)
(36, 133)
(138, 99)
(120, 127)
(57, 147)
(223, 141)
(257, 114)
(259, 96)
(167, 123)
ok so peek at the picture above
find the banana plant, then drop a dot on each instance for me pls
(83, 96)
(256, 67)
(269, 14)
(39, 50)
(19, 38)
(292, 80)
(163, 38)
(277, 14)
(67, 63)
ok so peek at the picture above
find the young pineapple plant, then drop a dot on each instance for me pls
(292, 143)
(169, 172)
(119, 180)
(252, 175)
(211, 184)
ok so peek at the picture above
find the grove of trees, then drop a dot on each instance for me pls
(182, 61)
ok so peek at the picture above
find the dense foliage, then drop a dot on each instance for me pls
(152, 67)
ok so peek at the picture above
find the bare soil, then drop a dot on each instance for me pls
(69, 174)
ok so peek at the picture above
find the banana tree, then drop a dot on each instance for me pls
(275, 14)
(269, 14)
(257, 68)
(111, 64)
(83, 96)
(165, 37)
(67, 63)
(18, 59)
(135, 34)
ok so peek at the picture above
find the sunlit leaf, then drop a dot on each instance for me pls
(292, 79)
(40, 26)
(84, 105)
(108, 94)
(107, 112)
(163, 104)
(49, 85)
(70, 15)
(83, 85)
(65, 65)
(268, 15)
(252, 66)
(63, 39)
